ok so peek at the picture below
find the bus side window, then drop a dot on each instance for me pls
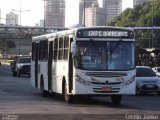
(45, 51)
(41, 50)
(66, 46)
(55, 49)
(60, 53)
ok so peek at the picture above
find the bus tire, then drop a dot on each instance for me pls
(43, 92)
(116, 99)
(68, 98)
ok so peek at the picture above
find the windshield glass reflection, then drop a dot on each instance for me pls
(93, 55)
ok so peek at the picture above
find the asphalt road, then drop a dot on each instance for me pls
(17, 96)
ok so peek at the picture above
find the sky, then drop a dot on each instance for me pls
(36, 10)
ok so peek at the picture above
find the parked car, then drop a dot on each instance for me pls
(157, 71)
(146, 80)
(21, 66)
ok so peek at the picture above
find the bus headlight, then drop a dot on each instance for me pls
(82, 81)
(129, 81)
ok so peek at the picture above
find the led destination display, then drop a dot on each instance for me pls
(105, 33)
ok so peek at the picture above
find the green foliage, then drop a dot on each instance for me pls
(10, 44)
(2, 43)
(5, 45)
(144, 15)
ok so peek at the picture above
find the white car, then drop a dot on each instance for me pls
(156, 70)
(146, 80)
(22, 66)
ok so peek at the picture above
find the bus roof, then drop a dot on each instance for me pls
(73, 31)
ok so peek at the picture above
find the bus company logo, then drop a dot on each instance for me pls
(93, 79)
(107, 82)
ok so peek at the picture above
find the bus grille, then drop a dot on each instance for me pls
(104, 83)
(106, 74)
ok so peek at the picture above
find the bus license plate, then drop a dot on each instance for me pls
(106, 89)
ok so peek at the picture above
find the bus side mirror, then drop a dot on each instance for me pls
(73, 48)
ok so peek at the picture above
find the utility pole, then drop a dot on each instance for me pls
(20, 11)
(84, 10)
(152, 24)
(44, 16)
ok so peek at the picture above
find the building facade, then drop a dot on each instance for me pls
(138, 2)
(0, 16)
(11, 19)
(112, 9)
(54, 13)
(94, 16)
(41, 23)
(87, 4)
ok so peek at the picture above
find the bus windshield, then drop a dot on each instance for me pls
(102, 55)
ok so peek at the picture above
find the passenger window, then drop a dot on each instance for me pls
(66, 46)
(60, 54)
(55, 49)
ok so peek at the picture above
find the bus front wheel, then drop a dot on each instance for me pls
(116, 99)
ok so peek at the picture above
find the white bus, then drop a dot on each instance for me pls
(90, 61)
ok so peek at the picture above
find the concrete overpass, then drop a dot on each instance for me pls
(21, 36)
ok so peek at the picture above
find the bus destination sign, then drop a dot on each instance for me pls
(105, 33)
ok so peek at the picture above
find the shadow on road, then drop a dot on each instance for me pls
(19, 90)
(128, 102)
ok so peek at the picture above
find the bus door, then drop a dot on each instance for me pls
(70, 71)
(50, 65)
(36, 65)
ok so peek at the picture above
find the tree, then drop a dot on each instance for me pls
(10, 44)
(141, 16)
(2, 41)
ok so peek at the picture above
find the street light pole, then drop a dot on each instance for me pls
(44, 16)
(44, 7)
(152, 23)
(20, 11)
(84, 10)
(19, 49)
